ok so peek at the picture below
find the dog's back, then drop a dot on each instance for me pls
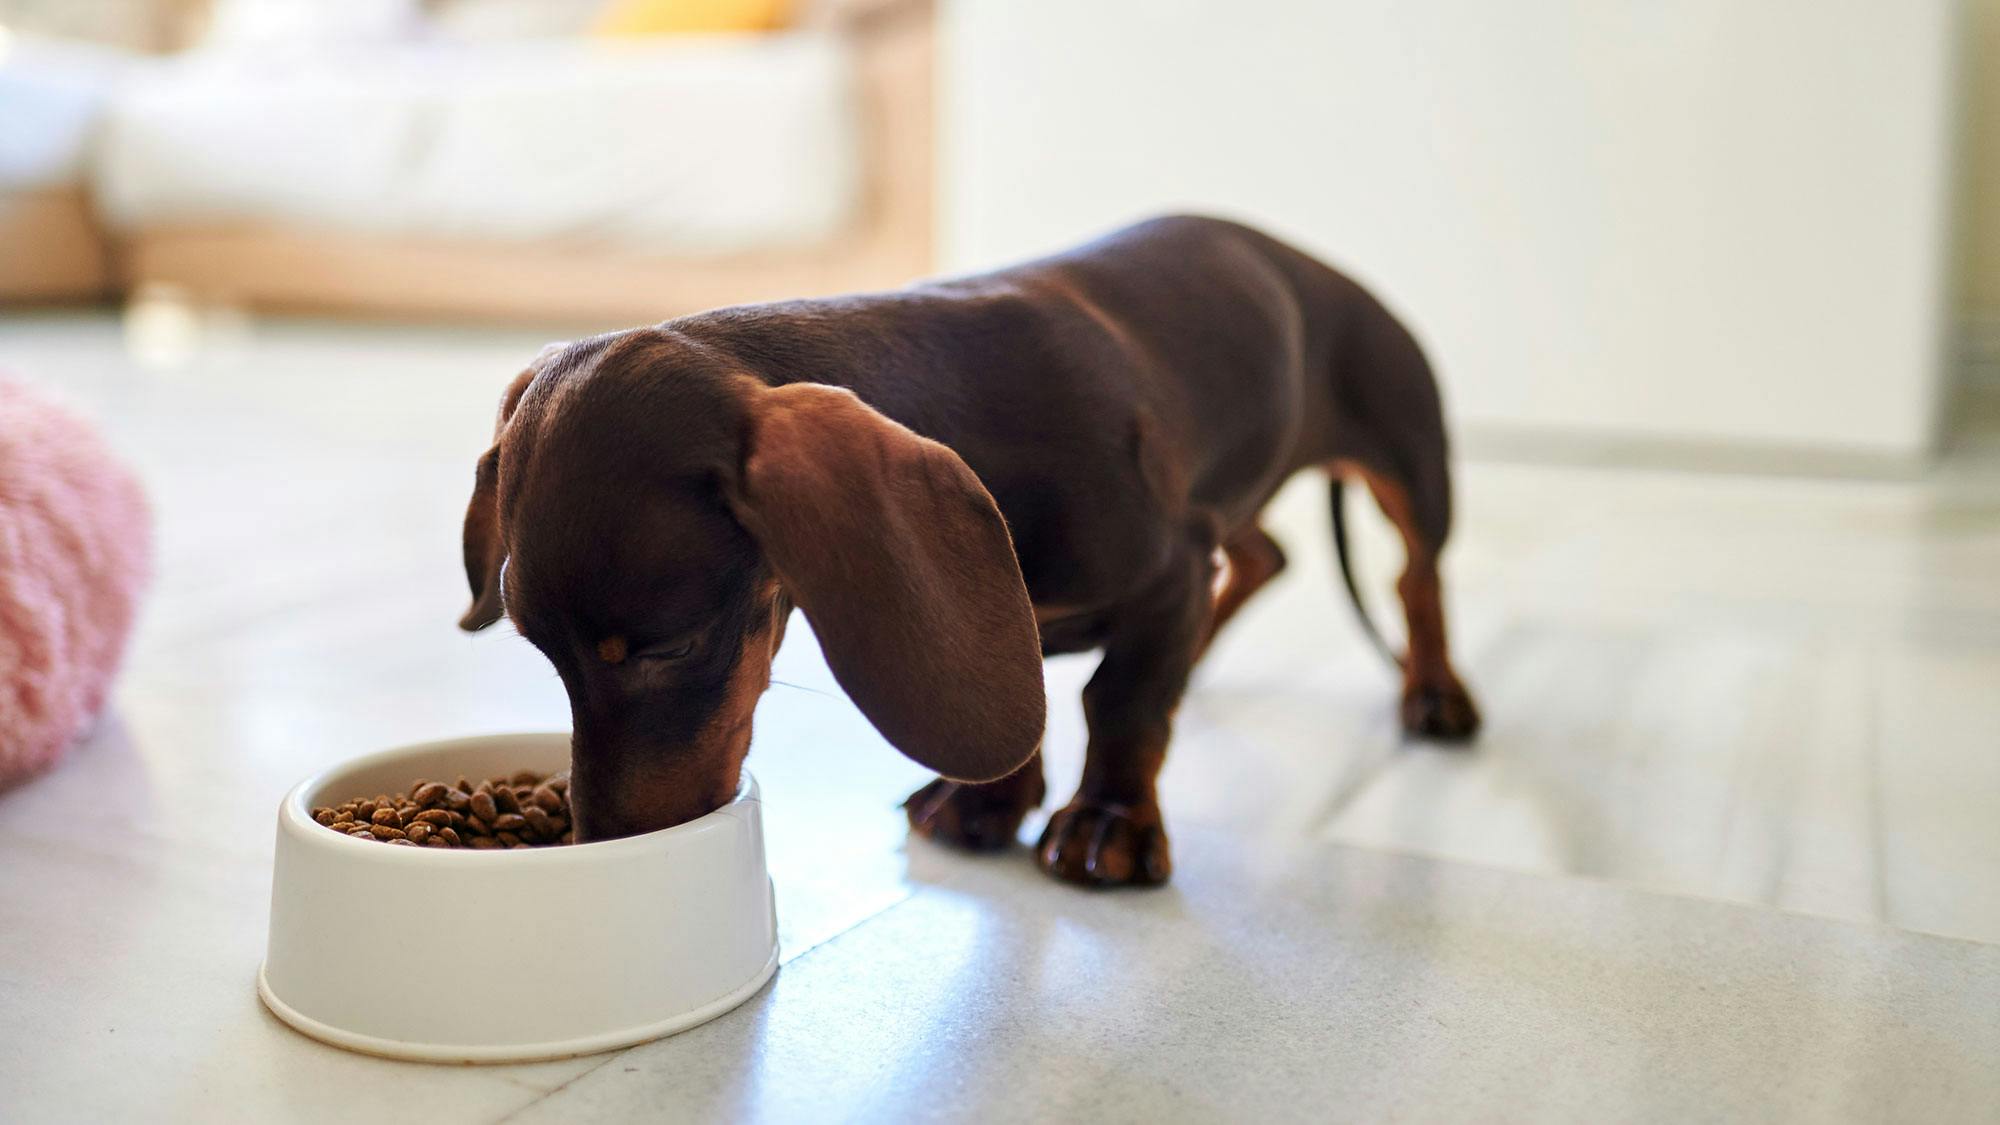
(1193, 358)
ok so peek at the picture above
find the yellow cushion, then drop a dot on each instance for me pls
(677, 17)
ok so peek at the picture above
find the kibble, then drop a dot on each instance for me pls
(538, 820)
(521, 810)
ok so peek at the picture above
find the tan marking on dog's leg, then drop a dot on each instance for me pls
(1435, 702)
(1249, 561)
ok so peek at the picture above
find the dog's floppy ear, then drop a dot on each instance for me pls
(485, 549)
(902, 564)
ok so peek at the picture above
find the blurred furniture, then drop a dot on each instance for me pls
(1701, 229)
(607, 182)
(126, 26)
(51, 99)
(549, 177)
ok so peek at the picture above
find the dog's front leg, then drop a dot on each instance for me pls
(1111, 833)
(977, 817)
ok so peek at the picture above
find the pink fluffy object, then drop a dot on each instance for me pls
(75, 539)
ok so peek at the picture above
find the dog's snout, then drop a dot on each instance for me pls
(614, 795)
(601, 815)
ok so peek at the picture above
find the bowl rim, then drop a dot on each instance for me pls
(295, 816)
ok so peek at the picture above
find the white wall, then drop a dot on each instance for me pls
(1708, 220)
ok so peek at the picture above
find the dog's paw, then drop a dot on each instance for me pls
(1105, 845)
(1442, 712)
(979, 818)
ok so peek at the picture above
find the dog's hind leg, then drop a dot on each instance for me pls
(1435, 703)
(1254, 558)
(1392, 435)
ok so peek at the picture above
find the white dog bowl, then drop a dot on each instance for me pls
(450, 955)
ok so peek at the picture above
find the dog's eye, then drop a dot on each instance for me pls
(672, 650)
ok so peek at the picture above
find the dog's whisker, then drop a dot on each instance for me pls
(799, 687)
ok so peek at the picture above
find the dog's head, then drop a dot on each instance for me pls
(648, 515)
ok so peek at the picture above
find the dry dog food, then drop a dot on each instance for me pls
(526, 810)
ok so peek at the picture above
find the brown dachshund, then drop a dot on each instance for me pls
(951, 481)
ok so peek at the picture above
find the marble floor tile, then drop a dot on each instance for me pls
(1303, 982)
(1769, 691)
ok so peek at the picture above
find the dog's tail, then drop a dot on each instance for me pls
(1337, 494)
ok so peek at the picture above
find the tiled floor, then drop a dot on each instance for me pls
(1779, 693)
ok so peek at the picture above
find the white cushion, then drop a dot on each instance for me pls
(52, 95)
(687, 145)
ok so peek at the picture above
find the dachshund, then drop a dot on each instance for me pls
(951, 481)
